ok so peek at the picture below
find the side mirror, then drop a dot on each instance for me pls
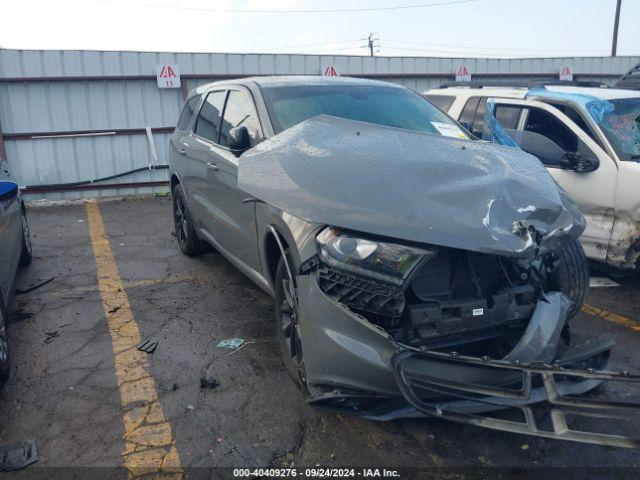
(239, 140)
(8, 190)
(580, 163)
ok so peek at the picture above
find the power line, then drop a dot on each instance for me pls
(486, 48)
(231, 10)
(309, 45)
(469, 53)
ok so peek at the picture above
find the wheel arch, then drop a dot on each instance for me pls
(272, 252)
(174, 180)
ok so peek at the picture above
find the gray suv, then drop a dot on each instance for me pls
(414, 270)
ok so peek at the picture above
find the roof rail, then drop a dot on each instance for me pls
(630, 80)
(524, 83)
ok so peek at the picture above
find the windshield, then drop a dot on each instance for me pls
(389, 106)
(620, 122)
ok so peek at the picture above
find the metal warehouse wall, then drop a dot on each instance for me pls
(67, 116)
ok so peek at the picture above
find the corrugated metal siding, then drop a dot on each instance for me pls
(55, 91)
(52, 63)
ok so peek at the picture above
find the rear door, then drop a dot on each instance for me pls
(593, 191)
(180, 143)
(235, 228)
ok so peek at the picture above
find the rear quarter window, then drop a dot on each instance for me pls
(443, 102)
(187, 112)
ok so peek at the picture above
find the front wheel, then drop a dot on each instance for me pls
(571, 276)
(288, 324)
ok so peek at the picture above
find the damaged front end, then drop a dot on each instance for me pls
(477, 339)
(446, 306)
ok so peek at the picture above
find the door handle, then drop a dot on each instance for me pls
(213, 166)
(178, 149)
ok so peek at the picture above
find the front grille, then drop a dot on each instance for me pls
(360, 293)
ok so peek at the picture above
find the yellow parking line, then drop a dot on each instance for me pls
(611, 317)
(148, 440)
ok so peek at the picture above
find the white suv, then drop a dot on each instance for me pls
(587, 137)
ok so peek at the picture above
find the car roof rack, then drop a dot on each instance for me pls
(524, 83)
(630, 80)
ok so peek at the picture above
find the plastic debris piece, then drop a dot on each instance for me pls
(18, 455)
(208, 382)
(208, 378)
(147, 346)
(231, 343)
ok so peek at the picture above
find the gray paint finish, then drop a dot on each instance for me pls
(412, 186)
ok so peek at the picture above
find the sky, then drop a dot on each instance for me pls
(472, 28)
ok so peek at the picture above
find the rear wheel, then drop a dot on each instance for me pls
(571, 276)
(4, 342)
(185, 230)
(26, 256)
(288, 324)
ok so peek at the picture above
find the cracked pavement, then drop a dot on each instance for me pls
(64, 392)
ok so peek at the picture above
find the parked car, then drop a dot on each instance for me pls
(414, 271)
(587, 137)
(15, 250)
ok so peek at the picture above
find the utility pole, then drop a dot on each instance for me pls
(371, 42)
(616, 21)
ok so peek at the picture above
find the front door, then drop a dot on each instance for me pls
(234, 216)
(546, 132)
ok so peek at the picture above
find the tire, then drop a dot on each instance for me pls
(5, 358)
(26, 255)
(188, 240)
(290, 349)
(571, 276)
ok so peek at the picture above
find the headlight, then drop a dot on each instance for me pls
(389, 262)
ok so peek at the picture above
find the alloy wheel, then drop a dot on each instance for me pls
(180, 220)
(289, 324)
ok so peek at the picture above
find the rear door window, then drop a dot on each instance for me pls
(469, 110)
(187, 112)
(239, 111)
(208, 122)
(508, 116)
(443, 102)
(478, 120)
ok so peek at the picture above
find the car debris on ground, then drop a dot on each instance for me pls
(18, 455)
(231, 343)
(147, 346)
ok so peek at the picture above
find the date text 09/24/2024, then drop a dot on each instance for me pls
(316, 472)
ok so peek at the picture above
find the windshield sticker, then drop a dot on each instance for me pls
(449, 130)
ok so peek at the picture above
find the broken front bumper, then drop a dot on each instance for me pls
(354, 367)
(555, 387)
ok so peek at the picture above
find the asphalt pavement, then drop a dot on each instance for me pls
(74, 341)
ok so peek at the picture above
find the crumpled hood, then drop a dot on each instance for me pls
(411, 186)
